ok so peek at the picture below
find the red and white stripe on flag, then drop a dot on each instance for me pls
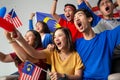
(30, 71)
(13, 18)
(35, 74)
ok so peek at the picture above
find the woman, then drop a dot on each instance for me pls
(33, 39)
(43, 30)
(64, 60)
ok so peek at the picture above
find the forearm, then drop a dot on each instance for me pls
(31, 25)
(31, 51)
(20, 52)
(2, 57)
(5, 58)
(53, 10)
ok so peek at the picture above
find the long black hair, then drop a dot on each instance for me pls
(38, 41)
(45, 27)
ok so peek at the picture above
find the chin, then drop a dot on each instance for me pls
(69, 19)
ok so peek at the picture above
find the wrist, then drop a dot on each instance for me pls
(64, 77)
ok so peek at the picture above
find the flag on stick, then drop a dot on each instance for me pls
(30, 71)
(13, 18)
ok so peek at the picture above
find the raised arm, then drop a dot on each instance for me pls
(39, 54)
(87, 3)
(31, 21)
(16, 47)
(53, 10)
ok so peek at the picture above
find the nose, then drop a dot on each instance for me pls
(56, 39)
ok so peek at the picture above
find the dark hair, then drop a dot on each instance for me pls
(87, 13)
(99, 1)
(45, 28)
(38, 42)
(71, 6)
(67, 33)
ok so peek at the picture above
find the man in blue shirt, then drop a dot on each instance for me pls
(96, 50)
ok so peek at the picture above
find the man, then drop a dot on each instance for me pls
(69, 10)
(96, 50)
(106, 8)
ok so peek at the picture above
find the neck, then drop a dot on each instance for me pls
(89, 34)
(108, 17)
(42, 34)
(64, 52)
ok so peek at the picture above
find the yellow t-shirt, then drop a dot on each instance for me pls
(72, 63)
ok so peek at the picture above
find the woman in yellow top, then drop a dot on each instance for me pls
(65, 61)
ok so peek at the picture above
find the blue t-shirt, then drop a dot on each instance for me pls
(47, 40)
(96, 53)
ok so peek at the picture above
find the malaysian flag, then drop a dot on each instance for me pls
(13, 18)
(48, 19)
(30, 71)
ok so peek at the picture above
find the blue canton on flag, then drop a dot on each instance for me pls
(13, 18)
(30, 71)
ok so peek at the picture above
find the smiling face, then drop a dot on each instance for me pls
(106, 7)
(69, 11)
(81, 21)
(39, 27)
(60, 39)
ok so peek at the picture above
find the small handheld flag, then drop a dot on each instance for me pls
(13, 18)
(30, 71)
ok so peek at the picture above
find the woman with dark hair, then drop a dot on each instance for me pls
(43, 30)
(33, 39)
(65, 61)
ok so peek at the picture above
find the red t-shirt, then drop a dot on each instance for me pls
(41, 64)
(70, 25)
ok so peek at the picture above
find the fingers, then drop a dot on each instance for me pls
(50, 47)
(54, 75)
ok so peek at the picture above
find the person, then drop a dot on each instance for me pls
(33, 39)
(107, 22)
(68, 22)
(96, 50)
(106, 8)
(65, 61)
(43, 30)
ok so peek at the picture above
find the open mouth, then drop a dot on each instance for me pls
(107, 8)
(58, 44)
(67, 16)
(79, 24)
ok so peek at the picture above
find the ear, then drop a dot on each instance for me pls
(90, 19)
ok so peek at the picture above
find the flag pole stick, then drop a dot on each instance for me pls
(44, 70)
